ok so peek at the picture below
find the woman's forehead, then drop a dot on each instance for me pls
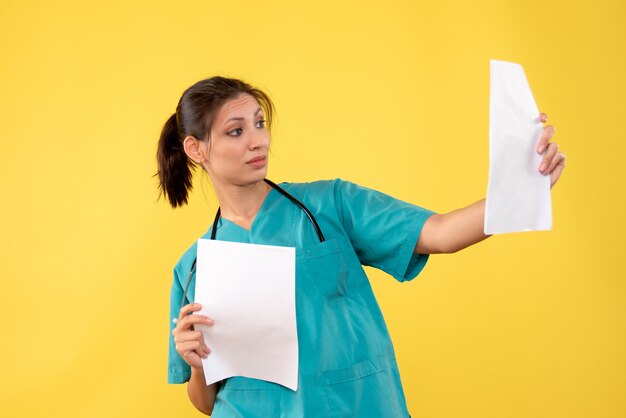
(243, 105)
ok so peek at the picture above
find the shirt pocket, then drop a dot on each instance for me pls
(324, 266)
(247, 383)
(360, 390)
(246, 397)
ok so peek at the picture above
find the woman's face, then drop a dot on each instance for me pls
(238, 147)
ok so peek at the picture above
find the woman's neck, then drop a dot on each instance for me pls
(240, 204)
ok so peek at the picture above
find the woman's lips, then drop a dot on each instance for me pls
(257, 162)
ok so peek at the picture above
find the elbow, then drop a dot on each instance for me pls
(443, 247)
(434, 247)
(201, 396)
(204, 406)
(436, 238)
(450, 249)
(440, 236)
(206, 411)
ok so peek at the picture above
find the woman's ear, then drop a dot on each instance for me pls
(193, 149)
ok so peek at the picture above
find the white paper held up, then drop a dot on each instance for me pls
(518, 195)
(249, 291)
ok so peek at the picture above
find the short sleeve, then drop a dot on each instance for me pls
(383, 230)
(178, 371)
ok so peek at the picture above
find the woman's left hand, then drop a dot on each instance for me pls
(553, 161)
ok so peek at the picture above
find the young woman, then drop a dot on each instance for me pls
(347, 366)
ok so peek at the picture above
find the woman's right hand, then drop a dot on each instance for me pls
(189, 342)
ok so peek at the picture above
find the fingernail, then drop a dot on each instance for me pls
(541, 148)
(542, 168)
(197, 305)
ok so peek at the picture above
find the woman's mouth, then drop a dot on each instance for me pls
(257, 162)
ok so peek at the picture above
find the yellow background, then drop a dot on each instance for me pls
(392, 95)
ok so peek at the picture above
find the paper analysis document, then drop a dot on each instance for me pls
(518, 195)
(249, 291)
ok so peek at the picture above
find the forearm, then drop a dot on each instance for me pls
(201, 395)
(451, 232)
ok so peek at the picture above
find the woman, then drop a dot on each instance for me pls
(347, 366)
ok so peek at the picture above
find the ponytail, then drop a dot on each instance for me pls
(194, 117)
(175, 169)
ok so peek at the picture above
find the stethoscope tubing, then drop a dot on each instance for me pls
(282, 191)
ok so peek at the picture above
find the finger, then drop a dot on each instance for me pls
(556, 173)
(190, 353)
(546, 136)
(193, 360)
(556, 160)
(189, 321)
(187, 346)
(193, 335)
(195, 345)
(543, 117)
(548, 157)
(204, 351)
(187, 309)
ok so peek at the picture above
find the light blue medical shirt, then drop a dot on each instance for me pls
(347, 365)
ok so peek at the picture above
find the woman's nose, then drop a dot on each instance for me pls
(259, 139)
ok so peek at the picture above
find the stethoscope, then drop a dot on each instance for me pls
(282, 191)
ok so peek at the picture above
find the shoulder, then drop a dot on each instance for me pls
(320, 189)
(317, 194)
(336, 191)
(313, 187)
(330, 198)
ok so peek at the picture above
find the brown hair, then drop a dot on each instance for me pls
(194, 116)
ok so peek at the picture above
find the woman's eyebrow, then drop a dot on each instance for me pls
(241, 118)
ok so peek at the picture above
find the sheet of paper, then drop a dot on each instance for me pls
(518, 195)
(249, 291)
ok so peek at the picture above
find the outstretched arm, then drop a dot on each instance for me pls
(451, 232)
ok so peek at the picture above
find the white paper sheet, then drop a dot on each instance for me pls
(518, 195)
(249, 291)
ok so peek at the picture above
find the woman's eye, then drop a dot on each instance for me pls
(235, 132)
(261, 123)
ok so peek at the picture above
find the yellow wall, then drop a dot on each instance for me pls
(389, 94)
